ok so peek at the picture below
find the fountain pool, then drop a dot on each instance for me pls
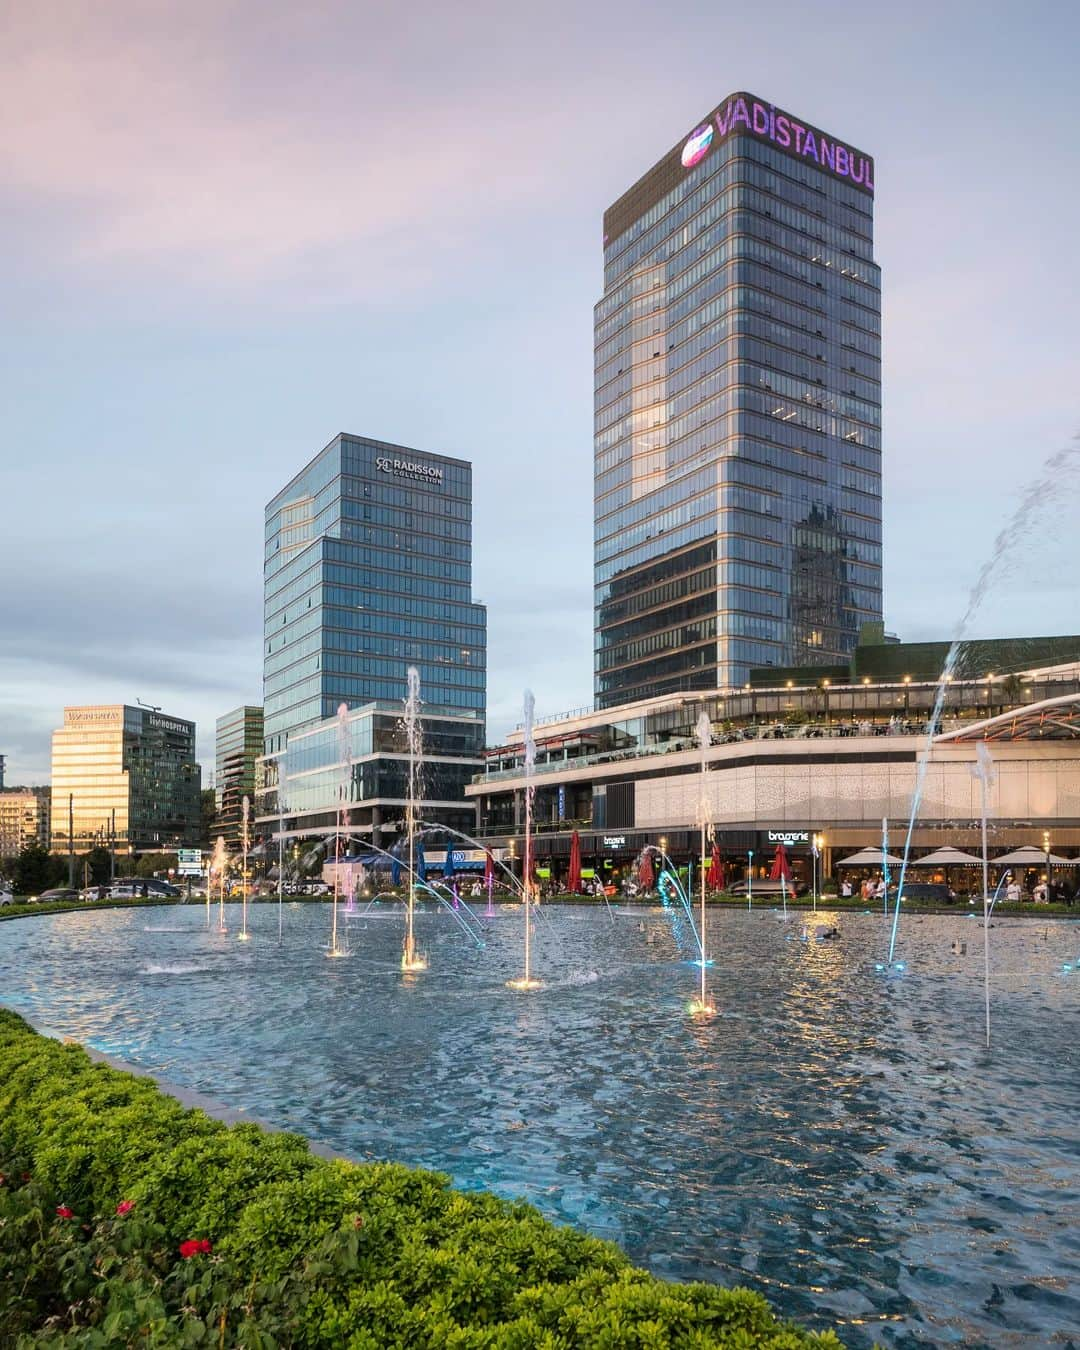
(842, 1142)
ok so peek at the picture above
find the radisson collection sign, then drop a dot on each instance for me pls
(410, 468)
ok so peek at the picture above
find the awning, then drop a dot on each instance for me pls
(870, 857)
(1030, 856)
(946, 857)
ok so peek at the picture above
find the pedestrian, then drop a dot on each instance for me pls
(845, 889)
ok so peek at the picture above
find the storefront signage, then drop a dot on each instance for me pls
(614, 840)
(746, 114)
(788, 837)
(410, 468)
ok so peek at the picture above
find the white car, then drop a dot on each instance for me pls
(6, 898)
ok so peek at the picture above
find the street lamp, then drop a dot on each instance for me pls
(819, 844)
(825, 687)
(907, 695)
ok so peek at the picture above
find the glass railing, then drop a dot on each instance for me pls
(775, 732)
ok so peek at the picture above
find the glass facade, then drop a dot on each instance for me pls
(737, 475)
(129, 775)
(368, 570)
(238, 745)
(307, 785)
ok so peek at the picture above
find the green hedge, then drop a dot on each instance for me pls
(302, 1252)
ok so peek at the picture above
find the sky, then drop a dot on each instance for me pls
(231, 230)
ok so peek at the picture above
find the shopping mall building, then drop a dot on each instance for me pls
(798, 754)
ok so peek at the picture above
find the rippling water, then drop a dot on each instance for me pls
(838, 1140)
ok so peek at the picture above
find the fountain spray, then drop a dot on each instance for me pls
(411, 960)
(1046, 492)
(983, 770)
(280, 842)
(526, 981)
(220, 864)
(702, 1007)
(345, 755)
(244, 935)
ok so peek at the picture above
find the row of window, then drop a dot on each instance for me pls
(719, 171)
(761, 218)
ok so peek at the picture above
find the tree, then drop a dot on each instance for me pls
(150, 863)
(208, 818)
(32, 870)
(94, 867)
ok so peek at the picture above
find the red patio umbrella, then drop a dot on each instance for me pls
(646, 875)
(781, 868)
(573, 881)
(715, 877)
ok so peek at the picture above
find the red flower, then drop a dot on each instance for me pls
(26, 1176)
(64, 1213)
(195, 1247)
(125, 1206)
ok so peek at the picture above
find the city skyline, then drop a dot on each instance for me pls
(158, 395)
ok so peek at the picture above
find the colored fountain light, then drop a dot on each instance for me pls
(526, 980)
(697, 147)
(411, 959)
(341, 822)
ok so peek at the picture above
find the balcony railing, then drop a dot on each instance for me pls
(750, 734)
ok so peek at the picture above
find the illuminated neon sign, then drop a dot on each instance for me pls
(743, 114)
(697, 146)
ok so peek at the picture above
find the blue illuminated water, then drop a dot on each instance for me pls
(838, 1139)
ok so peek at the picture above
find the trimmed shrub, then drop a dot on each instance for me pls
(127, 1219)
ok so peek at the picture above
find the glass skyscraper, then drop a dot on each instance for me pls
(737, 477)
(368, 570)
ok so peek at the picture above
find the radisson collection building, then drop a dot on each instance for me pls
(368, 571)
(737, 469)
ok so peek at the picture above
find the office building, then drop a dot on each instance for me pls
(356, 780)
(368, 571)
(239, 743)
(802, 753)
(737, 476)
(24, 819)
(124, 777)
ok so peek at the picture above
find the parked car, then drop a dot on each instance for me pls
(6, 897)
(148, 886)
(926, 892)
(56, 893)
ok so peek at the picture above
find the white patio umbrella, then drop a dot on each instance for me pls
(870, 857)
(1030, 856)
(946, 857)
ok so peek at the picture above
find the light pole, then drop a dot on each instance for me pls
(907, 696)
(825, 687)
(749, 878)
(819, 844)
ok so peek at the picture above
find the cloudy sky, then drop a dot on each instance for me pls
(231, 230)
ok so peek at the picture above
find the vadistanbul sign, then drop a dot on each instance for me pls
(745, 114)
(410, 468)
(741, 114)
